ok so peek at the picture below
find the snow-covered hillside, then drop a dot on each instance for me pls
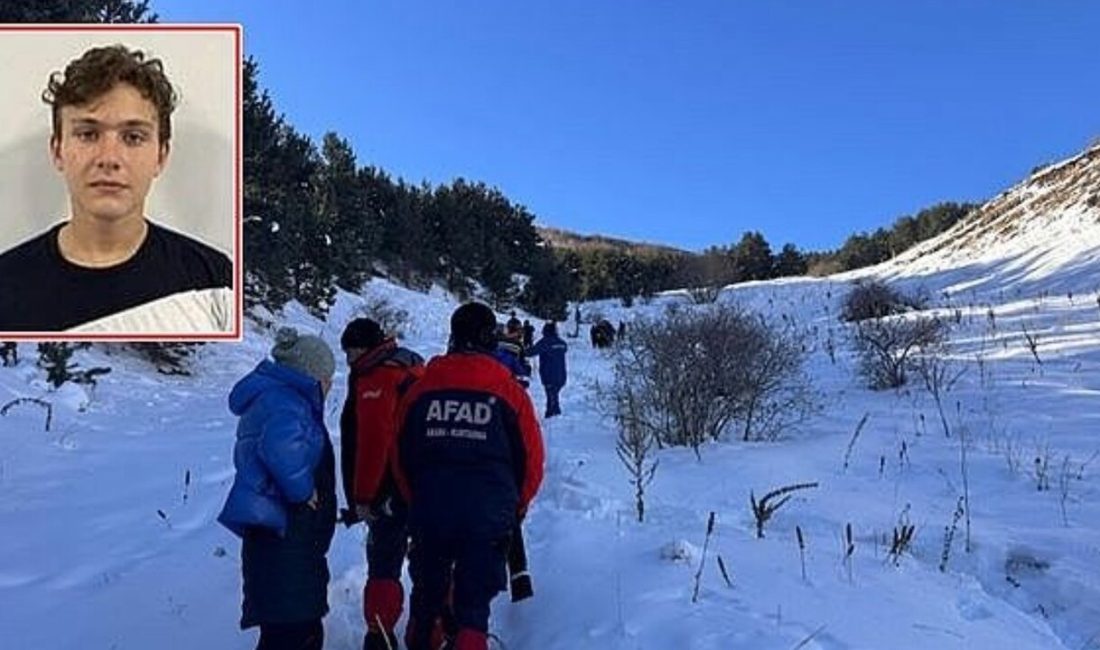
(1042, 235)
(108, 536)
(106, 546)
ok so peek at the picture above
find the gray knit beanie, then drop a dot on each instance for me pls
(304, 352)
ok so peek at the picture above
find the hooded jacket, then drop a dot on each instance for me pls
(368, 424)
(281, 443)
(469, 457)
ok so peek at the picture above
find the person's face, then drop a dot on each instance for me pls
(109, 153)
(351, 354)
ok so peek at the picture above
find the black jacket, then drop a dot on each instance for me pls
(286, 578)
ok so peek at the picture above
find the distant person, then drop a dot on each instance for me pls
(528, 334)
(602, 334)
(514, 325)
(509, 351)
(283, 500)
(551, 351)
(470, 460)
(380, 372)
(108, 268)
(622, 329)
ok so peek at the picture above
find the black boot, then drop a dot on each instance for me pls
(378, 641)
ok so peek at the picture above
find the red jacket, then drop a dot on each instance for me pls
(368, 425)
(470, 455)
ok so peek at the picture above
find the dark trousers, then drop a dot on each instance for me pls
(553, 406)
(478, 568)
(292, 636)
(387, 546)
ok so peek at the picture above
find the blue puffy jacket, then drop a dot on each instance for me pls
(511, 355)
(550, 350)
(280, 439)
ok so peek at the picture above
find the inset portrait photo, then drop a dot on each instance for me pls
(120, 183)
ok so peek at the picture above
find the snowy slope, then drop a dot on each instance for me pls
(1041, 236)
(85, 543)
(106, 544)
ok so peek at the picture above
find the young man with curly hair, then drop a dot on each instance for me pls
(108, 268)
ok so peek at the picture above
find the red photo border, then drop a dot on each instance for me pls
(237, 334)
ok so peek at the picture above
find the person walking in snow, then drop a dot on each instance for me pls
(528, 334)
(602, 334)
(283, 500)
(509, 351)
(469, 460)
(380, 372)
(551, 351)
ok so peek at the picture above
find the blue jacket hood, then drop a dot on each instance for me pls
(268, 375)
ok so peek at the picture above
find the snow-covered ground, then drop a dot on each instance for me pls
(104, 543)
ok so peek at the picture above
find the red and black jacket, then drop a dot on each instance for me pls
(368, 424)
(469, 457)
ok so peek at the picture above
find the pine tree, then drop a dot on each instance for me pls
(346, 213)
(752, 258)
(76, 11)
(790, 262)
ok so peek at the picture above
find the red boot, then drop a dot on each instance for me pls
(383, 601)
(470, 639)
(437, 638)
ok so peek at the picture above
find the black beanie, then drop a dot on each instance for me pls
(473, 325)
(362, 333)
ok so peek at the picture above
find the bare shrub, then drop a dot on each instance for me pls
(775, 392)
(763, 509)
(634, 448)
(30, 400)
(885, 347)
(703, 559)
(704, 295)
(1041, 467)
(938, 374)
(695, 372)
(801, 550)
(1013, 454)
(849, 549)
(55, 359)
(852, 442)
(168, 357)
(1032, 341)
(392, 319)
(949, 534)
(876, 299)
(902, 541)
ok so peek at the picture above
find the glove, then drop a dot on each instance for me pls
(365, 513)
(349, 517)
(371, 512)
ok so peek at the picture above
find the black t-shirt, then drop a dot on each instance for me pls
(41, 291)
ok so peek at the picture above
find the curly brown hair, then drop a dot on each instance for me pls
(98, 70)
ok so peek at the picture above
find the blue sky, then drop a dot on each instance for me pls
(687, 123)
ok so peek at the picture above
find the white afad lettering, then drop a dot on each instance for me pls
(482, 413)
(459, 411)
